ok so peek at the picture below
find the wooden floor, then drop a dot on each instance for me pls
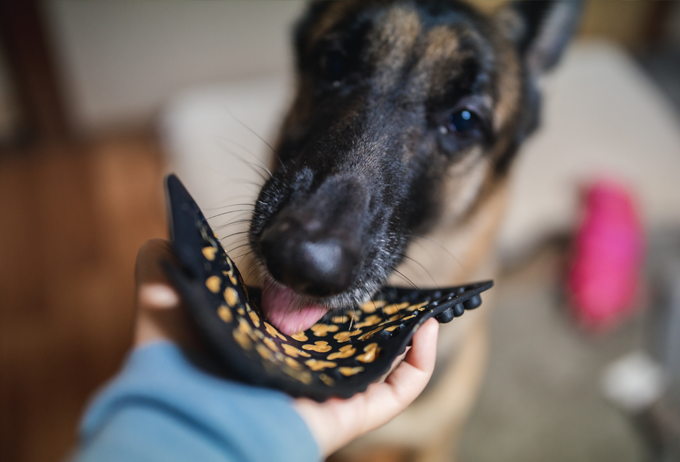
(72, 219)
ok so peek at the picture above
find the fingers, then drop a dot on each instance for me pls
(159, 316)
(424, 352)
(337, 422)
(403, 386)
(153, 289)
(415, 371)
(147, 267)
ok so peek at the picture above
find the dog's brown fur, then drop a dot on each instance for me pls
(421, 59)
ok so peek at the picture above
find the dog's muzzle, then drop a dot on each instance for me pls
(306, 256)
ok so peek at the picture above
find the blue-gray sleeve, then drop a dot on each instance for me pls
(162, 408)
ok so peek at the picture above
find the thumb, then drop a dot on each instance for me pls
(159, 312)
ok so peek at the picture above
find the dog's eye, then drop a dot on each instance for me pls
(333, 65)
(464, 122)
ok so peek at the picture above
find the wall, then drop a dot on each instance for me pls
(120, 61)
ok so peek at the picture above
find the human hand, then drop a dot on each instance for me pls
(335, 422)
(159, 313)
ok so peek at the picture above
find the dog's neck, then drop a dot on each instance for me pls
(454, 253)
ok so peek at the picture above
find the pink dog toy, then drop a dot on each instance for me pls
(605, 275)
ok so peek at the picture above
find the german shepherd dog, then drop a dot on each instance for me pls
(407, 118)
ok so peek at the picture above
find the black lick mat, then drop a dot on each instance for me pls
(339, 356)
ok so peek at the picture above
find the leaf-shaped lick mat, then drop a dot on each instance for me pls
(339, 356)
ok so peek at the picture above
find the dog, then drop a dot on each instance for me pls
(397, 151)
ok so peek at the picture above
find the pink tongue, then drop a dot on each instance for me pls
(283, 308)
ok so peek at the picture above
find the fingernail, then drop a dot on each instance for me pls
(158, 296)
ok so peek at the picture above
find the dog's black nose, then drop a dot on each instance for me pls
(301, 255)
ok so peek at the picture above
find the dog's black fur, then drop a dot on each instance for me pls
(394, 96)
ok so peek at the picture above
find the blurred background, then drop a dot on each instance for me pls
(99, 99)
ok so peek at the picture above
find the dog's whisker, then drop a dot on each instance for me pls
(234, 234)
(399, 273)
(231, 178)
(240, 216)
(256, 134)
(243, 255)
(221, 214)
(238, 247)
(220, 227)
(255, 273)
(267, 282)
(251, 272)
(351, 321)
(263, 166)
(249, 164)
(241, 240)
(230, 205)
(370, 298)
(245, 183)
(232, 198)
(238, 222)
(440, 246)
(373, 301)
(421, 265)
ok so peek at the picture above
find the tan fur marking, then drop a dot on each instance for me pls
(392, 44)
(508, 87)
(336, 12)
(442, 43)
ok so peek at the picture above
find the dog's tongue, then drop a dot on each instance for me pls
(283, 309)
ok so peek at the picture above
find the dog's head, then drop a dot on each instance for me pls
(406, 113)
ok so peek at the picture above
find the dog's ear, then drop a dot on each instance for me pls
(540, 30)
